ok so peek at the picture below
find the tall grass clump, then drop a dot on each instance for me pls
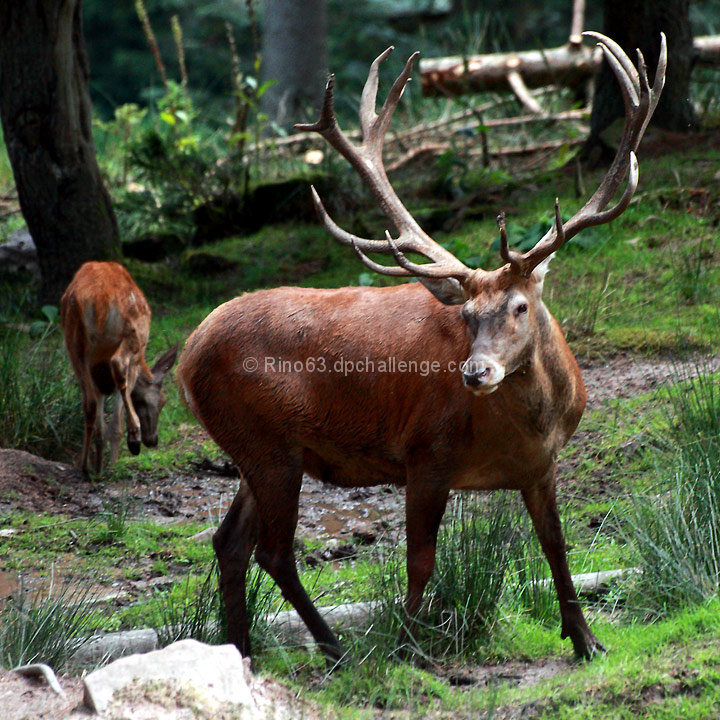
(195, 608)
(675, 528)
(47, 627)
(39, 399)
(478, 543)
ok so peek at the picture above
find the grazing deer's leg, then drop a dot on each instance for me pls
(99, 431)
(276, 495)
(234, 542)
(541, 504)
(124, 385)
(425, 502)
(115, 427)
(90, 412)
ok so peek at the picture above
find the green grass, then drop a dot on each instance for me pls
(47, 626)
(668, 669)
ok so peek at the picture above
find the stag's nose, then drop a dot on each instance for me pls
(482, 374)
(475, 377)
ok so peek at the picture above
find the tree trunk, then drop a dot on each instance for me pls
(46, 118)
(638, 24)
(293, 54)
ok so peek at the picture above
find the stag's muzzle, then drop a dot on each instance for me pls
(482, 375)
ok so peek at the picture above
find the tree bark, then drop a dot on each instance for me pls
(46, 117)
(294, 55)
(638, 24)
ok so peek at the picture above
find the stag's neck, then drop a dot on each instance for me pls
(545, 396)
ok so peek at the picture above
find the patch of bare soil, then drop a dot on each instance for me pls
(625, 376)
(24, 698)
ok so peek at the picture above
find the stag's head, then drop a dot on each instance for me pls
(503, 308)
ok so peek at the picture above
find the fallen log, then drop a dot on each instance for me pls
(568, 65)
(707, 49)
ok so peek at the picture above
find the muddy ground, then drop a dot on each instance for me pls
(343, 518)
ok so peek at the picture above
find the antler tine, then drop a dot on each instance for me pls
(393, 98)
(368, 98)
(366, 159)
(432, 270)
(640, 102)
(343, 236)
(608, 45)
(506, 254)
(377, 267)
(327, 125)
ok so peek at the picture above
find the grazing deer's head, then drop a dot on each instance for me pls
(503, 308)
(148, 398)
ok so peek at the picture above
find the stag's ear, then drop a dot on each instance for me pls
(448, 290)
(539, 273)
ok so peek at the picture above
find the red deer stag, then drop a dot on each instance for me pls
(106, 322)
(296, 380)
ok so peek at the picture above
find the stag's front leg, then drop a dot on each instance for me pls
(425, 501)
(542, 506)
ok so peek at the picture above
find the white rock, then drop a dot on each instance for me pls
(169, 683)
(19, 253)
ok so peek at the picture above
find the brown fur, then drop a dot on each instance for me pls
(106, 322)
(366, 428)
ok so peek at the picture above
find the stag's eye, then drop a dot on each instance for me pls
(521, 308)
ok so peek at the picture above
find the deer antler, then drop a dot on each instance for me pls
(366, 158)
(640, 103)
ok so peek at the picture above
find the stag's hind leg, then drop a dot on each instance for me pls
(276, 491)
(541, 504)
(234, 543)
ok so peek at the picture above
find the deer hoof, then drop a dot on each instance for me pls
(133, 446)
(585, 644)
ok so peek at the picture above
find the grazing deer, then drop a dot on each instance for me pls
(106, 322)
(335, 383)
